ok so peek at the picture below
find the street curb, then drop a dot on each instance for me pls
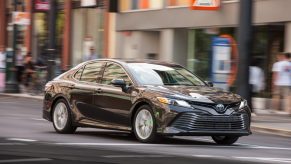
(22, 96)
(273, 131)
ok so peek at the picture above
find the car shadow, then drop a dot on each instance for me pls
(125, 136)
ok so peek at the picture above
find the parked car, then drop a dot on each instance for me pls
(148, 98)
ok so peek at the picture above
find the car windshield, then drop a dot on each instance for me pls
(154, 74)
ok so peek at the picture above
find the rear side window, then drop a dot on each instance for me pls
(91, 72)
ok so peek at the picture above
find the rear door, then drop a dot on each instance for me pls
(82, 93)
(113, 104)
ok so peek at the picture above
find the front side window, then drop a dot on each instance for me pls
(114, 71)
(154, 74)
(91, 72)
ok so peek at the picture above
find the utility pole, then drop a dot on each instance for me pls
(12, 84)
(244, 45)
(51, 49)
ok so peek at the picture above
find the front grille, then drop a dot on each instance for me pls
(203, 106)
(192, 122)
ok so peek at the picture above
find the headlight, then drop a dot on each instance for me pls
(243, 104)
(173, 102)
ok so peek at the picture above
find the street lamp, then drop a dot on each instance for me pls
(51, 49)
(244, 42)
(11, 82)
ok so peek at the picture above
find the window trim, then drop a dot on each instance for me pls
(121, 68)
(84, 66)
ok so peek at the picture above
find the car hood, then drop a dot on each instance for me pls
(197, 93)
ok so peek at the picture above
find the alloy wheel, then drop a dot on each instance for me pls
(60, 116)
(144, 124)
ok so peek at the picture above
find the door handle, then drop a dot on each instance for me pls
(71, 86)
(99, 90)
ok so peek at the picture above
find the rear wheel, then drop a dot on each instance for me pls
(225, 140)
(144, 124)
(62, 120)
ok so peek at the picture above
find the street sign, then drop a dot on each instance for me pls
(21, 18)
(221, 61)
(205, 4)
(42, 5)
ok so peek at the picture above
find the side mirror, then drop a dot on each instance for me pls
(209, 83)
(118, 83)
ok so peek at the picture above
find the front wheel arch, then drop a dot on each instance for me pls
(135, 108)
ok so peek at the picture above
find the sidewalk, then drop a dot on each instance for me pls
(264, 121)
(23, 95)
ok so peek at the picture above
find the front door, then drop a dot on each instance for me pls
(113, 104)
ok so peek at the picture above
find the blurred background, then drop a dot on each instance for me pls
(60, 34)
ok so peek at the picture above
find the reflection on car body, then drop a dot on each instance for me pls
(149, 98)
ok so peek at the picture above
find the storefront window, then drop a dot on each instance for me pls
(178, 2)
(200, 50)
(267, 42)
(128, 5)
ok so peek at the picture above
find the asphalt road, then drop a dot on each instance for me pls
(26, 138)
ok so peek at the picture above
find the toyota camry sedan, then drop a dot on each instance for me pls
(148, 98)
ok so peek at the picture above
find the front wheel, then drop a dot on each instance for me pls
(225, 140)
(144, 125)
(62, 119)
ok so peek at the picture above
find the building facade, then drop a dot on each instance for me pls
(169, 30)
(80, 25)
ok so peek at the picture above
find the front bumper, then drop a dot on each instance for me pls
(190, 123)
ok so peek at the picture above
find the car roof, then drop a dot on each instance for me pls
(148, 61)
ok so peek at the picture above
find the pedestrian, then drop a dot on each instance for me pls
(282, 83)
(19, 64)
(91, 56)
(29, 69)
(2, 68)
(256, 80)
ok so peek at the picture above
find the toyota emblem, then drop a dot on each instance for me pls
(220, 108)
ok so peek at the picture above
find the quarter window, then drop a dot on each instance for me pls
(78, 74)
(114, 71)
(91, 72)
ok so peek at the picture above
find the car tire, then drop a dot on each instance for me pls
(61, 118)
(225, 140)
(144, 125)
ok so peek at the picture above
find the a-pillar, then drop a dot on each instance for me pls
(67, 35)
(3, 24)
(287, 37)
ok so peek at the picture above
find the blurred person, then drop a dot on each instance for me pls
(2, 68)
(282, 83)
(19, 64)
(29, 69)
(92, 55)
(256, 80)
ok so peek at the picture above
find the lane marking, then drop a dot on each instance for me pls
(240, 146)
(21, 139)
(252, 159)
(106, 144)
(206, 156)
(136, 156)
(282, 160)
(10, 144)
(38, 119)
(25, 160)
